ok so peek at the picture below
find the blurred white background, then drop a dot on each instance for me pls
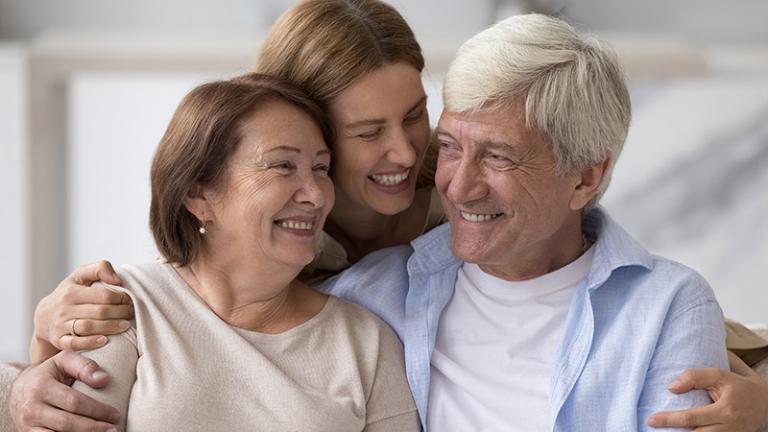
(88, 86)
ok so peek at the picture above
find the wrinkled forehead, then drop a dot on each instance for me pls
(499, 124)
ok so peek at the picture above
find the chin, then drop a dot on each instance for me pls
(469, 251)
(298, 258)
(393, 206)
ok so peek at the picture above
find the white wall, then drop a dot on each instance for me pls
(26, 19)
(691, 183)
(14, 317)
(115, 123)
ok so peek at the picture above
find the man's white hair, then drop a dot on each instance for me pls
(572, 85)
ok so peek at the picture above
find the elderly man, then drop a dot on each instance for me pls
(531, 310)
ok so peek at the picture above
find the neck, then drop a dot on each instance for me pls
(547, 256)
(358, 224)
(245, 296)
(361, 230)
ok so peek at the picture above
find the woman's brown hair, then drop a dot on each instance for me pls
(323, 46)
(201, 137)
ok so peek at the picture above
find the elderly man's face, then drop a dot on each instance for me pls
(509, 212)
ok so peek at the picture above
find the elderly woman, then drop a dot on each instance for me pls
(361, 60)
(240, 193)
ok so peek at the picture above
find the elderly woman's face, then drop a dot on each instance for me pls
(383, 132)
(499, 188)
(277, 193)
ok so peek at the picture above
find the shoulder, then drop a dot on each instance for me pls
(146, 283)
(384, 267)
(366, 325)
(679, 281)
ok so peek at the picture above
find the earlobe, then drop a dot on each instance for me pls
(199, 205)
(590, 180)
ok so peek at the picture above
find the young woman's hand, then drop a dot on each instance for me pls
(740, 400)
(78, 316)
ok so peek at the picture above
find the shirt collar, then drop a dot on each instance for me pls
(614, 247)
(432, 251)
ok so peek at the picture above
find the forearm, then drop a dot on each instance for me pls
(40, 348)
(8, 373)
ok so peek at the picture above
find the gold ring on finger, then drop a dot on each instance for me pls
(74, 321)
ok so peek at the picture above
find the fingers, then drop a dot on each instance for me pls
(80, 294)
(48, 418)
(39, 394)
(68, 365)
(90, 333)
(698, 416)
(100, 271)
(73, 325)
(68, 400)
(100, 312)
(74, 343)
(697, 379)
(87, 327)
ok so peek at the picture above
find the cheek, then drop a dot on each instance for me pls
(445, 167)
(347, 160)
(420, 136)
(326, 186)
(354, 161)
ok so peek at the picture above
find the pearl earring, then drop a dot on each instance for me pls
(202, 230)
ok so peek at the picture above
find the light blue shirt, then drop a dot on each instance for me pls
(635, 323)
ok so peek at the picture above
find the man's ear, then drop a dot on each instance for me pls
(198, 202)
(589, 181)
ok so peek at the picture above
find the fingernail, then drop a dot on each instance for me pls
(653, 422)
(99, 375)
(101, 340)
(124, 325)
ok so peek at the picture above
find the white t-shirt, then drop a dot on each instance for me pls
(495, 344)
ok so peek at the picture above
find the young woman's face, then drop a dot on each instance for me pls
(382, 135)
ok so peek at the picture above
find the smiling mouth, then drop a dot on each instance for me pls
(390, 179)
(479, 217)
(295, 225)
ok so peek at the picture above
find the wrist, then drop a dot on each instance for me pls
(41, 319)
(41, 350)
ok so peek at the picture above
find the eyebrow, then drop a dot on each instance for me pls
(501, 145)
(296, 150)
(378, 121)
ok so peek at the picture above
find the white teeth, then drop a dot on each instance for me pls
(390, 179)
(473, 217)
(295, 225)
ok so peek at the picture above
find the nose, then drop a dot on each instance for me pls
(466, 182)
(400, 148)
(311, 193)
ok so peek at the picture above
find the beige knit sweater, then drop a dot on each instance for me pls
(182, 368)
